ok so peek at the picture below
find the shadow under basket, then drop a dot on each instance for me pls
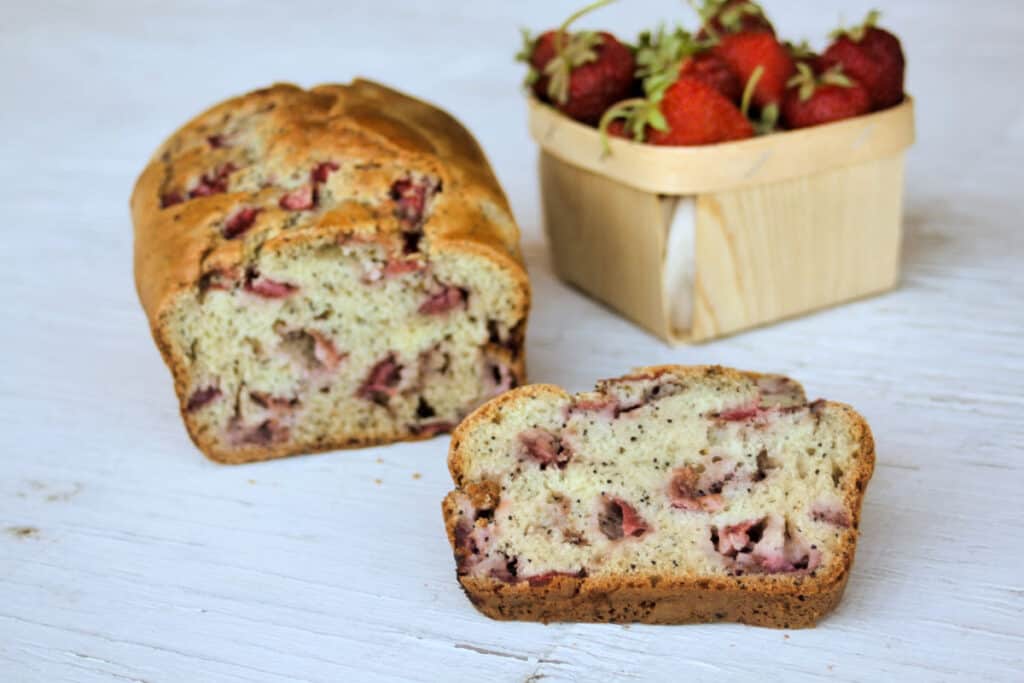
(695, 243)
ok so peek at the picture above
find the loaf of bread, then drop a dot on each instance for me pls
(672, 495)
(327, 268)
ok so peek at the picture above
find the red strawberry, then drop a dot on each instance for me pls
(239, 223)
(302, 198)
(697, 114)
(322, 170)
(170, 199)
(265, 287)
(444, 300)
(218, 141)
(200, 397)
(872, 56)
(213, 183)
(690, 112)
(720, 17)
(581, 73)
(714, 71)
(747, 51)
(584, 75)
(812, 100)
(662, 56)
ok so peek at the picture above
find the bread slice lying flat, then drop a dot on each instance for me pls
(672, 495)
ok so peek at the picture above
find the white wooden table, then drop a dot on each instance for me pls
(125, 555)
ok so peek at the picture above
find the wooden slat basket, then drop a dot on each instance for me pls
(700, 242)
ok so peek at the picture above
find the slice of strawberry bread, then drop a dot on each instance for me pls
(671, 495)
(327, 268)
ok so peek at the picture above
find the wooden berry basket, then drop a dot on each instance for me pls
(701, 242)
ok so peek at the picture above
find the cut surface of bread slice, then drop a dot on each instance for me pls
(327, 268)
(671, 495)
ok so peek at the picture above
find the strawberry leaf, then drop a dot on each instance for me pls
(525, 53)
(857, 33)
(580, 49)
(801, 50)
(808, 82)
(728, 17)
(660, 55)
(732, 18)
(835, 76)
(805, 80)
(657, 120)
(638, 113)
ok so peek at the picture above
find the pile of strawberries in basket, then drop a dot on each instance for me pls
(732, 79)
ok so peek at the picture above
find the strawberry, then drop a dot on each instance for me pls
(263, 286)
(744, 52)
(689, 112)
(698, 114)
(239, 223)
(582, 73)
(721, 17)
(714, 71)
(662, 57)
(872, 56)
(812, 100)
(617, 129)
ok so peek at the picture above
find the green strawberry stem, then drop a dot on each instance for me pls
(582, 12)
(769, 119)
(639, 112)
(748, 91)
(769, 122)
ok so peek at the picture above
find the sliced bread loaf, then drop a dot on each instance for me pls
(327, 268)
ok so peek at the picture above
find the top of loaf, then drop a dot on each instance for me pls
(284, 165)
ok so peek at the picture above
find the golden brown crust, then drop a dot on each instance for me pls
(288, 132)
(655, 600)
(797, 601)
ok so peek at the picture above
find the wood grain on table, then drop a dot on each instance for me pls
(124, 555)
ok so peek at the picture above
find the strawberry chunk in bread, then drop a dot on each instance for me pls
(327, 268)
(672, 495)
